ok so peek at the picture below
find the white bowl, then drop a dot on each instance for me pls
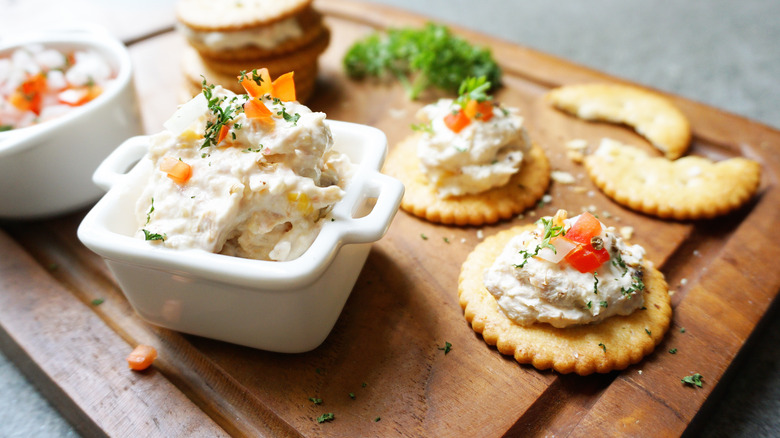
(46, 169)
(288, 306)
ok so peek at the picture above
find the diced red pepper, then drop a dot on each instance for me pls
(585, 258)
(456, 121)
(29, 95)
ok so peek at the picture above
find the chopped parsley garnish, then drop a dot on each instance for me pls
(421, 58)
(289, 118)
(255, 76)
(618, 262)
(4, 128)
(376, 420)
(446, 239)
(603, 347)
(550, 231)
(637, 284)
(473, 88)
(446, 348)
(325, 417)
(604, 304)
(590, 304)
(423, 127)
(97, 301)
(258, 149)
(315, 400)
(672, 351)
(596, 283)
(148, 235)
(423, 236)
(682, 329)
(222, 115)
(649, 333)
(352, 395)
(693, 380)
(149, 213)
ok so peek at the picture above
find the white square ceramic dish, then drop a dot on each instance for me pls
(46, 169)
(288, 306)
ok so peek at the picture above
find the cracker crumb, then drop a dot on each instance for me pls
(592, 208)
(696, 253)
(579, 189)
(671, 292)
(639, 372)
(591, 193)
(532, 214)
(547, 198)
(606, 214)
(462, 240)
(576, 157)
(562, 177)
(577, 144)
(683, 281)
(397, 113)
(627, 232)
(480, 234)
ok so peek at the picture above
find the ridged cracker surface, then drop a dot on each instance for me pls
(650, 114)
(612, 344)
(234, 15)
(522, 191)
(687, 188)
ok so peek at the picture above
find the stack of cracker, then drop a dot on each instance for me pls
(230, 36)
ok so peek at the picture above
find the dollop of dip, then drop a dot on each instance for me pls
(532, 283)
(262, 191)
(39, 83)
(482, 155)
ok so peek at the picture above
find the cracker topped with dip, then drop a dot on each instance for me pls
(225, 39)
(251, 175)
(470, 162)
(567, 294)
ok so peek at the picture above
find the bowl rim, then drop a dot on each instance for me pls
(367, 181)
(94, 37)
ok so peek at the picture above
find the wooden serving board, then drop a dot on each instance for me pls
(385, 348)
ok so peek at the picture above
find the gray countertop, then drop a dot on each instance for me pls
(718, 52)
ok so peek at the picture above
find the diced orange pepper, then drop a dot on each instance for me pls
(29, 95)
(258, 90)
(256, 109)
(456, 121)
(479, 110)
(223, 132)
(141, 357)
(177, 170)
(284, 88)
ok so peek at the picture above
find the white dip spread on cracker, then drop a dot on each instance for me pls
(470, 145)
(251, 186)
(265, 37)
(577, 283)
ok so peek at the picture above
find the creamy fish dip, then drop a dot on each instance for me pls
(261, 193)
(483, 155)
(266, 37)
(557, 294)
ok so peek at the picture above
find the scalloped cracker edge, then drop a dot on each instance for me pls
(688, 188)
(612, 344)
(522, 191)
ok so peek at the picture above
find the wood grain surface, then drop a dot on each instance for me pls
(385, 347)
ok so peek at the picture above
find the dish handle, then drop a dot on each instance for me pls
(386, 192)
(120, 161)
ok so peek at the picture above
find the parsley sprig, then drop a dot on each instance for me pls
(421, 58)
(473, 89)
(550, 231)
(223, 114)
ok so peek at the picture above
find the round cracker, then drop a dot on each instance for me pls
(195, 70)
(309, 20)
(210, 15)
(612, 344)
(650, 114)
(276, 65)
(687, 188)
(523, 190)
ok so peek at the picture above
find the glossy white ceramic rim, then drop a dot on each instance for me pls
(93, 37)
(367, 182)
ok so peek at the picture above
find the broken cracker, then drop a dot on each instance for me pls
(522, 191)
(649, 113)
(612, 344)
(688, 188)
